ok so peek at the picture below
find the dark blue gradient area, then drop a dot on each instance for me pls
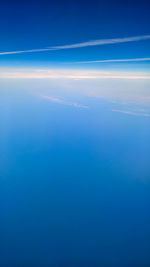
(34, 24)
(74, 183)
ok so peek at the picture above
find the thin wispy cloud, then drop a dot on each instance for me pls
(114, 60)
(62, 101)
(25, 51)
(82, 44)
(103, 42)
(128, 112)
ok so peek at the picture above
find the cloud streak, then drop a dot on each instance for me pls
(82, 44)
(131, 112)
(103, 42)
(114, 60)
(62, 101)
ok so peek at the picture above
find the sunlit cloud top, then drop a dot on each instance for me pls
(69, 74)
(123, 87)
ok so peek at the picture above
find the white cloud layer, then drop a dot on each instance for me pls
(26, 73)
(115, 86)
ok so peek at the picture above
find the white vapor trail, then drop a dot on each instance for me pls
(128, 112)
(61, 101)
(104, 42)
(83, 44)
(114, 60)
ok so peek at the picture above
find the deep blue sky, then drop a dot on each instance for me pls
(39, 24)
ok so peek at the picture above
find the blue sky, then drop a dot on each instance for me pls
(74, 133)
(29, 25)
(74, 181)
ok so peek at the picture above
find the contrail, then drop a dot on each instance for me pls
(103, 42)
(112, 60)
(25, 51)
(82, 44)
